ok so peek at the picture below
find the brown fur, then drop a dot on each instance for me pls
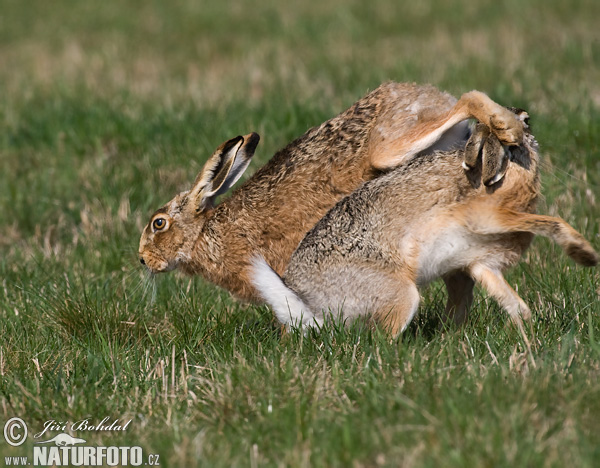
(270, 214)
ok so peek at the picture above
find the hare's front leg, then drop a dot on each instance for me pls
(495, 284)
(396, 314)
(460, 296)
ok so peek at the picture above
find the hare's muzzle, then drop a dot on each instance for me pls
(154, 263)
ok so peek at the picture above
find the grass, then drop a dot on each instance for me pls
(108, 110)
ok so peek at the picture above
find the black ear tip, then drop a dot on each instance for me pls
(251, 142)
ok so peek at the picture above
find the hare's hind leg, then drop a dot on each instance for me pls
(460, 296)
(495, 284)
(503, 123)
(396, 314)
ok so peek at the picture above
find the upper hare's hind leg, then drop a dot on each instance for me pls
(502, 122)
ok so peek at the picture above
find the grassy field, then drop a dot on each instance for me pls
(108, 109)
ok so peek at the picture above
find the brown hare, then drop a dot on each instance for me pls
(270, 214)
(425, 220)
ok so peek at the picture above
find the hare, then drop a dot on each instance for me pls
(427, 219)
(270, 214)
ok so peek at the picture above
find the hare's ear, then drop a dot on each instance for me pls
(222, 170)
(494, 161)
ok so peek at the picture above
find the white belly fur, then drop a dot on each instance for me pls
(453, 248)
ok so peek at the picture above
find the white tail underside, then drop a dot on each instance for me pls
(288, 307)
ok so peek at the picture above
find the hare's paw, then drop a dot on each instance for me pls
(507, 126)
(582, 252)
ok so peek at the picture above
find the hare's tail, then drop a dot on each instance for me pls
(505, 220)
(289, 308)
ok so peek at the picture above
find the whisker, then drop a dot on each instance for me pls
(153, 296)
(146, 287)
(564, 178)
(548, 169)
(137, 288)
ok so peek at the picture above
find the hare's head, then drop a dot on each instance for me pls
(169, 237)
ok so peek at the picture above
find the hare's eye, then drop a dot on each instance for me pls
(159, 223)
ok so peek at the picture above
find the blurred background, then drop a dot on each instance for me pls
(107, 109)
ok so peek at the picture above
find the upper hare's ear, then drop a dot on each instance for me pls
(222, 170)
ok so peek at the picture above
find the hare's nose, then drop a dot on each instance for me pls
(142, 261)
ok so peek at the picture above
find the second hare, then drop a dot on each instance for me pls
(433, 217)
